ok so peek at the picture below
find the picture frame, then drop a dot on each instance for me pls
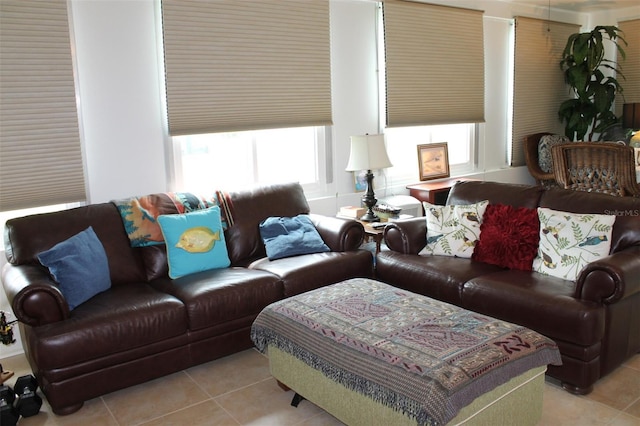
(360, 180)
(433, 160)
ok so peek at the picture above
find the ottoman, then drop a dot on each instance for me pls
(372, 354)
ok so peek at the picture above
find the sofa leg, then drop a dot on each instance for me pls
(576, 390)
(65, 411)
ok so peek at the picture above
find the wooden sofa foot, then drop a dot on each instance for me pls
(577, 390)
(65, 411)
(283, 386)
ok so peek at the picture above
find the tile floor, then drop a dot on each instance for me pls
(238, 390)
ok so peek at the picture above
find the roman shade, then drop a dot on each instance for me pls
(630, 66)
(539, 86)
(40, 152)
(241, 65)
(434, 64)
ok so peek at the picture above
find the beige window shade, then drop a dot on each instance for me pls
(241, 65)
(539, 86)
(40, 152)
(630, 66)
(434, 64)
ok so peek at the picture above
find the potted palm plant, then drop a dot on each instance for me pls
(583, 63)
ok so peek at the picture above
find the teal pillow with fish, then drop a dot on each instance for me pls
(195, 242)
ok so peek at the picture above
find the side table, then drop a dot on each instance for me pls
(434, 192)
(374, 234)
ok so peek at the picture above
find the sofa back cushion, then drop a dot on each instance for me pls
(250, 208)
(626, 229)
(470, 192)
(26, 237)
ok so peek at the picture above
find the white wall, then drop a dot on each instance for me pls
(120, 96)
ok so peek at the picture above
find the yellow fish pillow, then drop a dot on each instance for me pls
(195, 241)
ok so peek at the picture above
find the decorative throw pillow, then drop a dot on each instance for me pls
(568, 241)
(509, 237)
(544, 150)
(195, 242)
(453, 230)
(79, 266)
(291, 236)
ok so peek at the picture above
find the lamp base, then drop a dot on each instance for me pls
(369, 217)
(369, 200)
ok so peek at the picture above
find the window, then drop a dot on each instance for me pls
(402, 145)
(402, 142)
(238, 159)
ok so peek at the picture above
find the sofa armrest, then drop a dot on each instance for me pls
(407, 236)
(34, 297)
(612, 278)
(339, 234)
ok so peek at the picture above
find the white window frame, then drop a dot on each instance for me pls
(315, 188)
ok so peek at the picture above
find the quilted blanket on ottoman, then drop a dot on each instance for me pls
(425, 358)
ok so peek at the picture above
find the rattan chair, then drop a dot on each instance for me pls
(603, 167)
(532, 160)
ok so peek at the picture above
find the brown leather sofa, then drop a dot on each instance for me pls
(595, 321)
(148, 325)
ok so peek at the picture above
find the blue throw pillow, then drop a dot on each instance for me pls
(80, 267)
(195, 241)
(290, 236)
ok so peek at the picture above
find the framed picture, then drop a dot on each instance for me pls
(433, 160)
(360, 180)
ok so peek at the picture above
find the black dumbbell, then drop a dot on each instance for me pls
(29, 402)
(8, 414)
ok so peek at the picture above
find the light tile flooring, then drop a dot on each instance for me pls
(238, 390)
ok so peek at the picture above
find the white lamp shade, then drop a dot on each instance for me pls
(368, 152)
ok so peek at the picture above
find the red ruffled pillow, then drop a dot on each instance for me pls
(509, 237)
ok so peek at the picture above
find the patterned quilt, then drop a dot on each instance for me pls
(140, 214)
(425, 358)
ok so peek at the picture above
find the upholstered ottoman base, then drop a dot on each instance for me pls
(519, 401)
(372, 354)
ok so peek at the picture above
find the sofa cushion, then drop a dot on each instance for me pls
(569, 241)
(194, 241)
(79, 266)
(26, 237)
(509, 237)
(453, 230)
(128, 322)
(439, 277)
(311, 271)
(222, 296)
(469, 192)
(290, 236)
(251, 207)
(542, 303)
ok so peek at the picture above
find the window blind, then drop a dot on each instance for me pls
(434, 64)
(241, 65)
(630, 66)
(40, 152)
(539, 86)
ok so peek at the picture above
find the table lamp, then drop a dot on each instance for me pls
(368, 153)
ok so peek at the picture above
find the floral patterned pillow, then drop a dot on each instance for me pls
(569, 241)
(453, 230)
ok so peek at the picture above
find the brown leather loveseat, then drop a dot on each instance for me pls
(595, 320)
(147, 325)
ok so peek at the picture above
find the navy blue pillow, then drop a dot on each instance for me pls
(291, 236)
(79, 266)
